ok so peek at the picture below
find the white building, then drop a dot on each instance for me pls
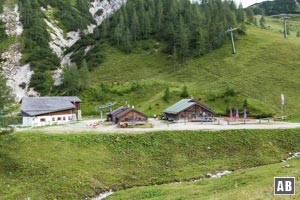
(41, 111)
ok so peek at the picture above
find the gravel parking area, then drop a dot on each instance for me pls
(96, 126)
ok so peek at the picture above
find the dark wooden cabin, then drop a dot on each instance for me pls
(126, 114)
(188, 109)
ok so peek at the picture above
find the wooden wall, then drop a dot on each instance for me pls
(133, 116)
(192, 112)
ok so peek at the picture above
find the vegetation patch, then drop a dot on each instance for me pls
(75, 166)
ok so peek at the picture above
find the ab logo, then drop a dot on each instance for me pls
(284, 186)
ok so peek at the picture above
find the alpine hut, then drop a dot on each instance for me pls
(188, 110)
(128, 115)
(40, 111)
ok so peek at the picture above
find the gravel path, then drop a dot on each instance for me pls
(85, 126)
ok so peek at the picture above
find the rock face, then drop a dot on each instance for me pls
(107, 7)
(18, 76)
(11, 18)
(59, 42)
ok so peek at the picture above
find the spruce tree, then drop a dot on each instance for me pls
(166, 96)
(83, 72)
(6, 97)
(135, 26)
(250, 15)
(183, 41)
(159, 16)
(255, 21)
(117, 35)
(127, 41)
(184, 93)
(70, 79)
(240, 15)
(262, 22)
(147, 26)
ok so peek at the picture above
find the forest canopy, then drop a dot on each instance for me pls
(189, 29)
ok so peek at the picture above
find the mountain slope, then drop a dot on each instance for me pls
(276, 7)
(44, 29)
(265, 66)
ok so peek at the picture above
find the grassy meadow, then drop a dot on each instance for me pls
(265, 66)
(254, 183)
(76, 166)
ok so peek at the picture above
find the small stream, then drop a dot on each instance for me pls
(103, 195)
(217, 174)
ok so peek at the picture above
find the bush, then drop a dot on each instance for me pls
(184, 93)
(166, 96)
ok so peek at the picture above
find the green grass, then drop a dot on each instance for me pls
(255, 183)
(265, 66)
(74, 166)
(276, 24)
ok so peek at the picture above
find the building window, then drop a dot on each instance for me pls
(69, 118)
(42, 120)
(53, 119)
(59, 119)
(64, 118)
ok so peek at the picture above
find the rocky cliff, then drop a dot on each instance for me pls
(18, 75)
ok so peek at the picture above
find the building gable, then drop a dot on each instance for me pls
(34, 106)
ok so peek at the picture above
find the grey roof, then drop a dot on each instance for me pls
(122, 111)
(118, 110)
(33, 106)
(184, 104)
(120, 114)
(67, 98)
(179, 106)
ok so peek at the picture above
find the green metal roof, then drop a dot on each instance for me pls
(179, 106)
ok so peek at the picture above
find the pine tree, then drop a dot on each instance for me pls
(159, 16)
(71, 79)
(117, 35)
(240, 15)
(255, 21)
(245, 103)
(127, 41)
(103, 29)
(83, 72)
(262, 22)
(166, 96)
(250, 15)
(184, 93)
(182, 41)
(147, 26)
(135, 26)
(6, 97)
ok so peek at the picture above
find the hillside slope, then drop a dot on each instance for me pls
(254, 183)
(75, 166)
(265, 66)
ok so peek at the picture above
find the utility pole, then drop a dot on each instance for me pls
(282, 105)
(108, 105)
(232, 40)
(285, 27)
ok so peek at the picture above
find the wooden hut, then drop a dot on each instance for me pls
(188, 110)
(128, 115)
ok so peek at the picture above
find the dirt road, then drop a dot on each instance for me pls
(94, 126)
